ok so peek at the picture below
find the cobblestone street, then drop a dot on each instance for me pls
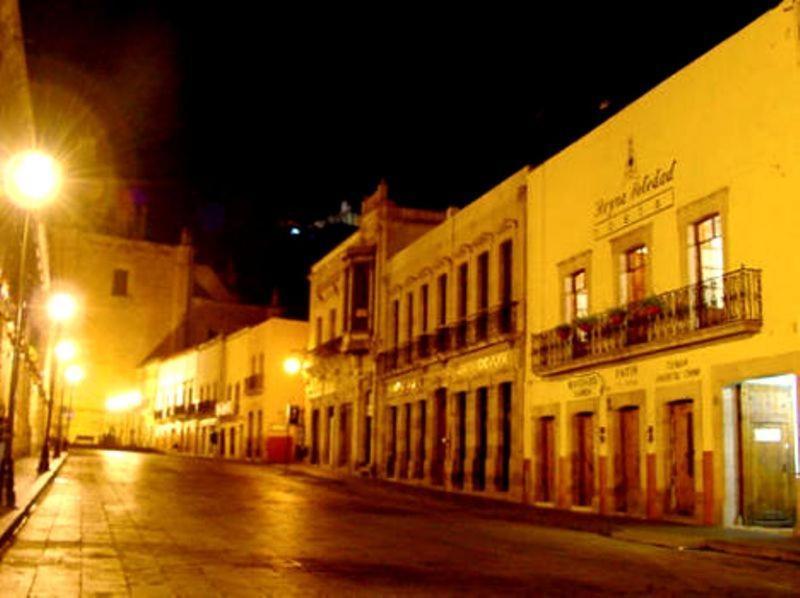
(150, 525)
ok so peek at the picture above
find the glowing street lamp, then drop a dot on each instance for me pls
(31, 180)
(61, 307)
(292, 365)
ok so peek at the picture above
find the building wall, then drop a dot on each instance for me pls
(720, 136)
(340, 379)
(486, 361)
(208, 394)
(117, 333)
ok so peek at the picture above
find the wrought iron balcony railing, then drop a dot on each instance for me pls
(714, 308)
(485, 327)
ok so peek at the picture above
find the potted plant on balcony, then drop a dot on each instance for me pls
(616, 316)
(652, 306)
(563, 331)
(586, 323)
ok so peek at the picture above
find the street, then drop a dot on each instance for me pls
(116, 523)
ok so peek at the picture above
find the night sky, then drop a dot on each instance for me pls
(239, 119)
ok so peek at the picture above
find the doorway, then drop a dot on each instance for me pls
(461, 440)
(583, 459)
(545, 487)
(761, 456)
(681, 495)
(440, 437)
(627, 482)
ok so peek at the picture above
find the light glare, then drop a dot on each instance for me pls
(74, 373)
(61, 307)
(291, 365)
(32, 179)
(66, 350)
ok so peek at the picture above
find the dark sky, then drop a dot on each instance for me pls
(238, 116)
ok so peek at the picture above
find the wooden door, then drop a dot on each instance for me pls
(461, 440)
(481, 437)
(681, 458)
(768, 454)
(440, 438)
(547, 460)
(627, 482)
(346, 433)
(583, 459)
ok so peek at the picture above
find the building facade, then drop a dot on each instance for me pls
(346, 312)
(662, 284)
(230, 397)
(611, 331)
(451, 357)
(138, 300)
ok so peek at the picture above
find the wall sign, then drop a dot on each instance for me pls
(646, 196)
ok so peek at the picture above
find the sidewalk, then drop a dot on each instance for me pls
(29, 485)
(779, 544)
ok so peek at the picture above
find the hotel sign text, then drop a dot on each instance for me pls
(646, 196)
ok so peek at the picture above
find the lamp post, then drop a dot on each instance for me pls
(61, 307)
(73, 375)
(65, 352)
(31, 181)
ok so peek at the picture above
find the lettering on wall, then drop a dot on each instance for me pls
(626, 376)
(646, 196)
(585, 386)
(677, 369)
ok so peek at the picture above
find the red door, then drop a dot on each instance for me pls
(545, 488)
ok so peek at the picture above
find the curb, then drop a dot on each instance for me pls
(20, 514)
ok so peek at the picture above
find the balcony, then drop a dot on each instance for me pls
(206, 407)
(713, 309)
(486, 327)
(329, 347)
(253, 384)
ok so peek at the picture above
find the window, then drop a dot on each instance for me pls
(360, 297)
(119, 286)
(634, 271)
(409, 316)
(706, 265)
(483, 281)
(396, 322)
(576, 296)
(318, 340)
(442, 300)
(462, 291)
(505, 272)
(424, 308)
(332, 324)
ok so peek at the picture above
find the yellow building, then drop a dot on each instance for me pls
(230, 397)
(137, 300)
(663, 296)
(346, 312)
(451, 367)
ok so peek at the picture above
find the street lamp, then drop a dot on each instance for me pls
(65, 351)
(73, 375)
(61, 307)
(31, 180)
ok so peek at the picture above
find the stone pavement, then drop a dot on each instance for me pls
(28, 485)
(152, 525)
(775, 544)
